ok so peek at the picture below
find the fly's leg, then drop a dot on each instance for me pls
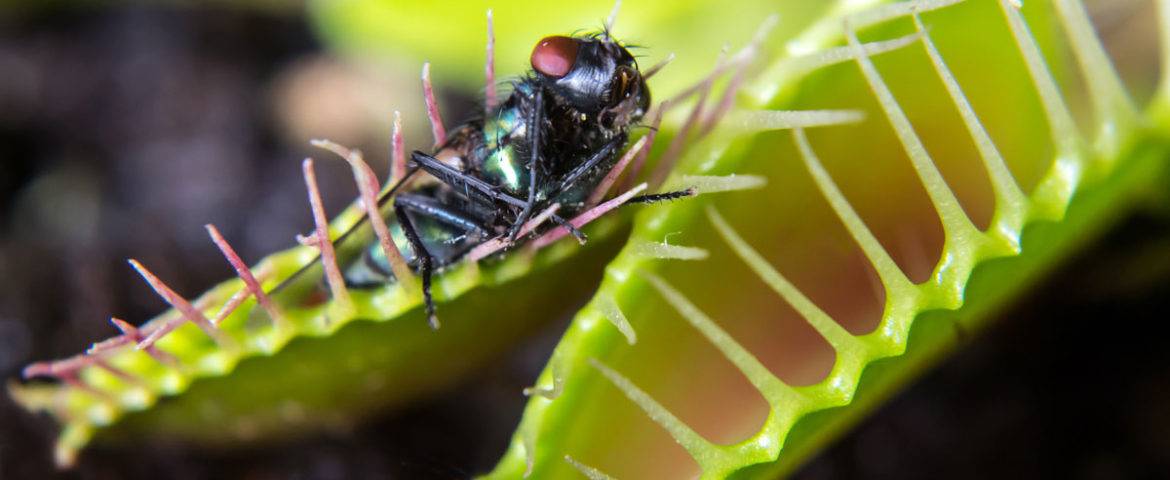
(534, 126)
(473, 188)
(574, 231)
(425, 260)
(662, 197)
(431, 208)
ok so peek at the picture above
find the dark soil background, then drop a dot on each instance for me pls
(124, 129)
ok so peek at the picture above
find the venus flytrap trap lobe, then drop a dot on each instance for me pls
(1074, 170)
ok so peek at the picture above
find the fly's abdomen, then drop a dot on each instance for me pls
(445, 242)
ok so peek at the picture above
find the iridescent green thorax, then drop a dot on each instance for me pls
(503, 165)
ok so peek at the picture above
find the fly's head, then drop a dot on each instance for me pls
(595, 76)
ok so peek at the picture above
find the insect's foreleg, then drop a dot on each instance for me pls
(534, 126)
(426, 261)
(474, 188)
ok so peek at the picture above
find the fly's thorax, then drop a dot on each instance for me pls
(506, 152)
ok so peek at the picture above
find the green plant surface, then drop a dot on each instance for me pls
(733, 335)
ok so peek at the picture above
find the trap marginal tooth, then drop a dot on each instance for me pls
(398, 151)
(122, 375)
(367, 183)
(801, 63)
(612, 18)
(230, 306)
(892, 277)
(650, 72)
(615, 172)
(76, 383)
(185, 309)
(893, 11)
(1065, 135)
(489, 67)
(955, 222)
(775, 391)
(1004, 186)
(665, 251)
(494, 245)
(251, 283)
(830, 330)
(1112, 106)
(589, 472)
(589, 216)
(613, 312)
(752, 121)
(704, 184)
(703, 451)
(745, 54)
(321, 239)
(640, 160)
(674, 149)
(729, 93)
(437, 128)
(550, 393)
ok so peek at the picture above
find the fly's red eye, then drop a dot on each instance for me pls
(554, 56)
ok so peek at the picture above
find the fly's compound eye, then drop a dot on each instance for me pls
(554, 56)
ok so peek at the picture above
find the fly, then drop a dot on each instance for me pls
(539, 154)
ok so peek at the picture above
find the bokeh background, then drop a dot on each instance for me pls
(124, 128)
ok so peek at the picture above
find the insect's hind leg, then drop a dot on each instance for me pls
(425, 260)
